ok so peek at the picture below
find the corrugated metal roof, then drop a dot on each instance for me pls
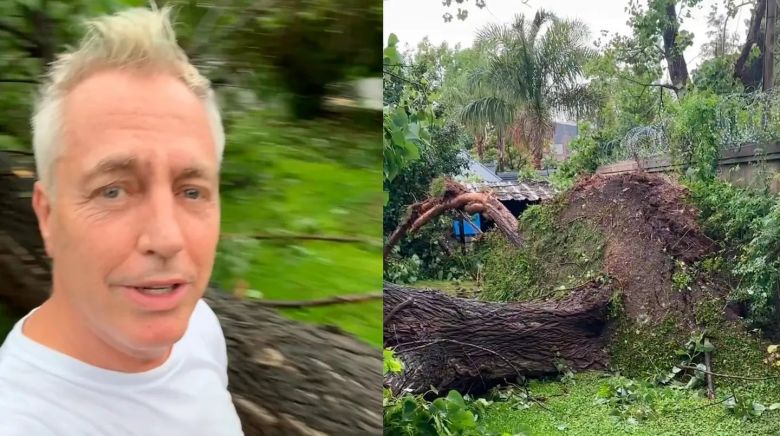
(515, 190)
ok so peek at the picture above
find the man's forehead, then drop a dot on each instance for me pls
(115, 105)
(146, 164)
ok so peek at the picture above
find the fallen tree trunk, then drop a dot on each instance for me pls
(286, 377)
(455, 197)
(289, 378)
(469, 345)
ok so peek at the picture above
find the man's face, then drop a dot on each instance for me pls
(134, 225)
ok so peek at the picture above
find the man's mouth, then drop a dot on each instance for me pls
(158, 295)
(158, 290)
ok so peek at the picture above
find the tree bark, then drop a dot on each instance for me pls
(479, 141)
(678, 68)
(501, 145)
(750, 74)
(469, 345)
(455, 197)
(770, 43)
(286, 377)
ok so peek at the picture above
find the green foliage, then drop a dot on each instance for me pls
(453, 415)
(402, 133)
(404, 129)
(413, 415)
(651, 26)
(620, 74)
(657, 353)
(747, 221)
(391, 363)
(682, 278)
(627, 399)
(279, 176)
(304, 168)
(694, 135)
(573, 409)
(716, 75)
(532, 70)
(587, 155)
(440, 157)
(418, 147)
(555, 257)
(692, 351)
(301, 47)
(745, 410)
(425, 256)
(514, 158)
(404, 270)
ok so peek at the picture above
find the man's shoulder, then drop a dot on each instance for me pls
(20, 409)
(205, 327)
(204, 319)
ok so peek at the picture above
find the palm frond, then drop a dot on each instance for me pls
(488, 110)
(576, 100)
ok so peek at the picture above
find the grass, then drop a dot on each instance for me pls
(555, 257)
(307, 189)
(450, 287)
(572, 410)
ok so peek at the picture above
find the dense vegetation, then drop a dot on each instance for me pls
(645, 102)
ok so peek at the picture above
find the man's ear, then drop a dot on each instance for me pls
(42, 206)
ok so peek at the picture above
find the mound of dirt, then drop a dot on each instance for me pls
(649, 227)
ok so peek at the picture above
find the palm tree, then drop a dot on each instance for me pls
(533, 73)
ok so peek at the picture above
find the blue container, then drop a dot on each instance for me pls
(469, 230)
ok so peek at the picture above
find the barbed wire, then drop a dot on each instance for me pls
(740, 119)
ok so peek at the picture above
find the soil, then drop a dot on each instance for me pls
(648, 226)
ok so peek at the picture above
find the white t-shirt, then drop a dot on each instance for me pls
(44, 392)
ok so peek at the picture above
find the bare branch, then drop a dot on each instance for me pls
(302, 237)
(660, 85)
(338, 299)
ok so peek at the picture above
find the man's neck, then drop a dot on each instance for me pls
(55, 327)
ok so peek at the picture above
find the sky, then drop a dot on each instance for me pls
(411, 20)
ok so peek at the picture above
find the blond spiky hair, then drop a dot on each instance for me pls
(135, 38)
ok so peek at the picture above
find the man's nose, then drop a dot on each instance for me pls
(162, 233)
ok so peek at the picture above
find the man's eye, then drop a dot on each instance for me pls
(111, 192)
(192, 193)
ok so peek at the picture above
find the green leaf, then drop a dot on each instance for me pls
(462, 419)
(454, 397)
(392, 40)
(409, 409)
(774, 406)
(391, 55)
(391, 363)
(439, 405)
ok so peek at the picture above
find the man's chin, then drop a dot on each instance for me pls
(155, 336)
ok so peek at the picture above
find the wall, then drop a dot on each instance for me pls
(743, 166)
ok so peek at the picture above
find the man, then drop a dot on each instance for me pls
(128, 142)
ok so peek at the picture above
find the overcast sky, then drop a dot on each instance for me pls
(412, 20)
